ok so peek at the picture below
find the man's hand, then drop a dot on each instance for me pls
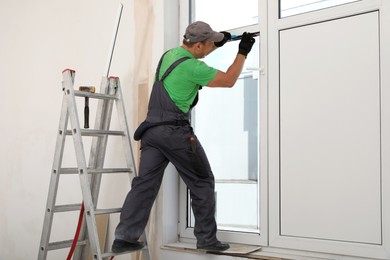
(227, 37)
(246, 44)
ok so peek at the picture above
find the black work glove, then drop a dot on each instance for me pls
(227, 37)
(246, 44)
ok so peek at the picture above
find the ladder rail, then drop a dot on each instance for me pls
(120, 106)
(54, 181)
(81, 162)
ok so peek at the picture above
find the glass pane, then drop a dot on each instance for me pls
(293, 7)
(229, 135)
(224, 15)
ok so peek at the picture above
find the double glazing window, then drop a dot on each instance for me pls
(294, 7)
(226, 120)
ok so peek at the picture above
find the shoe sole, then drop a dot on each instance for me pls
(127, 249)
(214, 249)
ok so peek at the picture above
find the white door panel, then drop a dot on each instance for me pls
(330, 175)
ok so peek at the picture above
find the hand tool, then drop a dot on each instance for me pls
(239, 37)
(86, 107)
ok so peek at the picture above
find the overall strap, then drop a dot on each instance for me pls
(158, 66)
(170, 68)
(173, 66)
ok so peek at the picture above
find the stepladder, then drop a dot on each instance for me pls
(110, 98)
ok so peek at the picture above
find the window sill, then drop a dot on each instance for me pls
(242, 251)
(236, 250)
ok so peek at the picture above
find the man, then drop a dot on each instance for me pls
(167, 136)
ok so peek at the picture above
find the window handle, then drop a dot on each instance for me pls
(259, 69)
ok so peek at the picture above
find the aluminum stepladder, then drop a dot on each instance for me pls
(89, 175)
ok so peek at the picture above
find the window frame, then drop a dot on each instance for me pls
(276, 240)
(185, 232)
(269, 186)
(311, 10)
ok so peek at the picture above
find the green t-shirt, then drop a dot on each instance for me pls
(183, 82)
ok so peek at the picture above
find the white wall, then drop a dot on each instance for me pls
(38, 40)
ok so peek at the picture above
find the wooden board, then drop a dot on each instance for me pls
(102, 225)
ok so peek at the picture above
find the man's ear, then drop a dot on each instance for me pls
(198, 45)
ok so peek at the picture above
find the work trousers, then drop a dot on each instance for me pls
(159, 146)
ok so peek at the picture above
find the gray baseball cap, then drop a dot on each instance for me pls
(200, 31)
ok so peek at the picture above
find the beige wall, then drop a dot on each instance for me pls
(38, 40)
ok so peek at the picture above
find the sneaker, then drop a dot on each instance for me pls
(217, 246)
(120, 246)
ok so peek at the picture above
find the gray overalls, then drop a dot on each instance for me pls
(175, 143)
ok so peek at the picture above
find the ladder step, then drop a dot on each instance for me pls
(91, 132)
(78, 93)
(76, 207)
(68, 207)
(95, 171)
(107, 211)
(64, 244)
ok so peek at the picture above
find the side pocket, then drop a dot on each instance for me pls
(141, 129)
(196, 159)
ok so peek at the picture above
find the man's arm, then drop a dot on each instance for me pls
(228, 79)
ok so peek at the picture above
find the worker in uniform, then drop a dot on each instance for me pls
(167, 136)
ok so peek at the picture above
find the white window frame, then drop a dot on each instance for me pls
(275, 26)
(270, 237)
(186, 233)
